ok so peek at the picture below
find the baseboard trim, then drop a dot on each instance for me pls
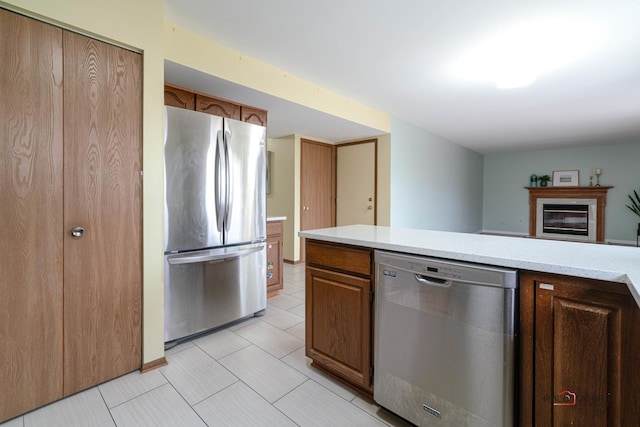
(154, 364)
(502, 233)
(620, 242)
(613, 242)
(288, 261)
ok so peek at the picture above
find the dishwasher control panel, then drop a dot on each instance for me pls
(446, 269)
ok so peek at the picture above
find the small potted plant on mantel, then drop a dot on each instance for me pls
(635, 207)
(543, 180)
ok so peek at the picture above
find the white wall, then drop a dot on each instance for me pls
(506, 201)
(435, 184)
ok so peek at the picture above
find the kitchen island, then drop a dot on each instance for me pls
(579, 315)
(588, 260)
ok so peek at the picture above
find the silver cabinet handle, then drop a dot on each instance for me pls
(77, 231)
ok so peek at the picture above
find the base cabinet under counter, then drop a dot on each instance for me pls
(579, 339)
(275, 260)
(339, 316)
(580, 347)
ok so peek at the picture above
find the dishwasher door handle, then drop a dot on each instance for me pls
(433, 281)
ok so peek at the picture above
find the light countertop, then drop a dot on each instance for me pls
(276, 218)
(589, 260)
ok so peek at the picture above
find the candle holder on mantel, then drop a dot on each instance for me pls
(598, 173)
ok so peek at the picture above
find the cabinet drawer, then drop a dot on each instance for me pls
(274, 228)
(346, 258)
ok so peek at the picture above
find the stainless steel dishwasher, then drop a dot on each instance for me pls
(445, 341)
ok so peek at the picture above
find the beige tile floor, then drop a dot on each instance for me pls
(253, 373)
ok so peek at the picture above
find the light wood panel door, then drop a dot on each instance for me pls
(317, 187)
(30, 214)
(356, 183)
(103, 151)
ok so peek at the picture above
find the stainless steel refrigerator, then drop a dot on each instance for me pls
(215, 222)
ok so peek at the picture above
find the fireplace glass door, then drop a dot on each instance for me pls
(572, 220)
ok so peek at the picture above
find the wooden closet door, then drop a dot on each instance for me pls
(102, 268)
(30, 214)
(317, 187)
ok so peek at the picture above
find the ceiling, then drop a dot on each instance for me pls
(400, 57)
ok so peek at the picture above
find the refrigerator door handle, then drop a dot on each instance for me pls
(229, 185)
(214, 255)
(220, 178)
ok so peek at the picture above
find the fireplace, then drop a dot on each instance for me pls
(567, 213)
(566, 219)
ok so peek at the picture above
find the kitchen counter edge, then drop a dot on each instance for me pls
(588, 260)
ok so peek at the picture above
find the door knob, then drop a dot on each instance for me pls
(77, 231)
(370, 199)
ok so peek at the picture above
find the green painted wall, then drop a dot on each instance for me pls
(506, 203)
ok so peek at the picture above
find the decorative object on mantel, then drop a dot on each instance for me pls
(533, 181)
(566, 178)
(598, 173)
(543, 180)
(635, 208)
(597, 194)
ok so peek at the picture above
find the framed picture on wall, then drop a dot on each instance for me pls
(566, 178)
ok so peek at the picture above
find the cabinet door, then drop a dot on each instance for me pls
(586, 350)
(274, 273)
(175, 97)
(253, 115)
(274, 258)
(338, 324)
(102, 268)
(217, 107)
(30, 213)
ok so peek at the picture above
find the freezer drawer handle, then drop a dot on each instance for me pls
(191, 259)
(433, 281)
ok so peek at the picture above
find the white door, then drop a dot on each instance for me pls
(356, 189)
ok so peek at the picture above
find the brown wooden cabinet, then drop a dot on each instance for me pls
(580, 346)
(180, 98)
(188, 99)
(70, 156)
(217, 107)
(339, 299)
(253, 115)
(274, 258)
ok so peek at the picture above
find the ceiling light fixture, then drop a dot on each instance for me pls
(517, 55)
